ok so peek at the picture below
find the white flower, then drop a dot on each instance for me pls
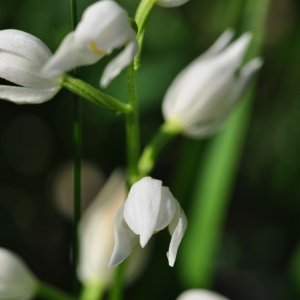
(104, 27)
(16, 280)
(171, 3)
(202, 95)
(22, 57)
(150, 207)
(96, 233)
(198, 294)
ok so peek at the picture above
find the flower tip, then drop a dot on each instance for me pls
(252, 67)
(144, 240)
(246, 38)
(104, 82)
(256, 63)
(171, 260)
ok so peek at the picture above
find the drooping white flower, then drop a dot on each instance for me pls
(16, 280)
(202, 95)
(22, 57)
(171, 3)
(199, 294)
(150, 207)
(105, 26)
(96, 233)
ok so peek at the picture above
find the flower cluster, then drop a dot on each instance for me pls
(198, 102)
(26, 61)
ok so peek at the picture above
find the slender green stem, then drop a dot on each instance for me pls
(77, 160)
(141, 18)
(49, 292)
(116, 292)
(132, 129)
(88, 92)
(142, 14)
(76, 178)
(217, 176)
(133, 151)
(73, 4)
(151, 152)
(94, 291)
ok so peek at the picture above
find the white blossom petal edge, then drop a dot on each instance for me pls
(96, 231)
(199, 294)
(22, 57)
(202, 95)
(104, 27)
(150, 207)
(171, 3)
(16, 280)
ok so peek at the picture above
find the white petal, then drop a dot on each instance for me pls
(21, 71)
(125, 240)
(114, 68)
(167, 209)
(16, 280)
(177, 229)
(142, 208)
(25, 95)
(222, 111)
(246, 74)
(105, 23)
(171, 3)
(199, 294)
(96, 231)
(220, 44)
(25, 45)
(70, 54)
(200, 89)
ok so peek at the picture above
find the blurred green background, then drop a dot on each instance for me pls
(259, 253)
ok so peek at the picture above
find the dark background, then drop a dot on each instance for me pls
(259, 255)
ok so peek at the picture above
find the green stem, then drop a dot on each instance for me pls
(76, 180)
(217, 176)
(151, 152)
(94, 291)
(77, 160)
(142, 14)
(116, 292)
(74, 13)
(49, 292)
(88, 92)
(132, 129)
(141, 17)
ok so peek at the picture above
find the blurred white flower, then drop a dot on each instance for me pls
(16, 280)
(202, 95)
(62, 186)
(171, 3)
(150, 207)
(97, 235)
(22, 57)
(105, 26)
(198, 294)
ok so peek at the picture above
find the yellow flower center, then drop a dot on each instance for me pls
(93, 47)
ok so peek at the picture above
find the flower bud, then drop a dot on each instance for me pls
(16, 280)
(199, 294)
(202, 95)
